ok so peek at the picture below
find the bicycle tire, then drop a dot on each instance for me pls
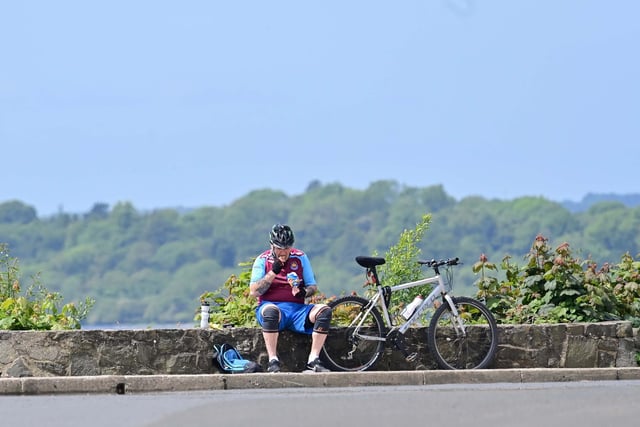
(342, 351)
(453, 350)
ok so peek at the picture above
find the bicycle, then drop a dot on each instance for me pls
(462, 332)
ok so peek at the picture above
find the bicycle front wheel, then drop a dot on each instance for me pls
(356, 337)
(468, 341)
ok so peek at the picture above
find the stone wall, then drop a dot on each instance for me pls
(188, 351)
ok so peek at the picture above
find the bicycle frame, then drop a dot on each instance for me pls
(378, 300)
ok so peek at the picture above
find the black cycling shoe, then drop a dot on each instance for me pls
(274, 366)
(316, 366)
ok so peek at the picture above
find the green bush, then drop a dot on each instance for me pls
(401, 266)
(555, 287)
(232, 305)
(35, 308)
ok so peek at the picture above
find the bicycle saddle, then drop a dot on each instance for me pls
(369, 261)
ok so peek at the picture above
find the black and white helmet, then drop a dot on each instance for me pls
(281, 236)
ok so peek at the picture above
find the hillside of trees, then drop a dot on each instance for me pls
(151, 267)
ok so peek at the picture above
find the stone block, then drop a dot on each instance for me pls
(602, 329)
(626, 355)
(624, 330)
(581, 352)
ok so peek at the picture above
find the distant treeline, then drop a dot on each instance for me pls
(151, 267)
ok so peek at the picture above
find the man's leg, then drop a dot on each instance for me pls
(270, 327)
(317, 341)
(271, 342)
(320, 315)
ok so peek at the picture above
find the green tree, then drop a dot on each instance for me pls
(16, 212)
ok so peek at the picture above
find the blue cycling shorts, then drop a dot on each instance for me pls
(293, 316)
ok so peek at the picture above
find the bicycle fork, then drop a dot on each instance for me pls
(456, 319)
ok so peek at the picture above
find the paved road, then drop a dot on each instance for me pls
(584, 404)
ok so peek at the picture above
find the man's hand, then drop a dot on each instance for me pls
(299, 291)
(277, 266)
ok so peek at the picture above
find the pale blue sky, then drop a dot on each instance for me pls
(197, 103)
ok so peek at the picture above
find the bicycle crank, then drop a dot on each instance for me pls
(399, 342)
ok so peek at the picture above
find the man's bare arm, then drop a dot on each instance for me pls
(261, 286)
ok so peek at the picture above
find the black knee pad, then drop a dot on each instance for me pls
(270, 318)
(323, 321)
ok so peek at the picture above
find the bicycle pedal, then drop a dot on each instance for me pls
(412, 357)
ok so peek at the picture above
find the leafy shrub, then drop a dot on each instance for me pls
(401, 266)
(231, 305)
(555, 287)
(36, 308)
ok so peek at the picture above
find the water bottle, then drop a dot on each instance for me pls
(204, 315)
(409, 309)
(293, 279)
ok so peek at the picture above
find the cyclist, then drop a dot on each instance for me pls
(281, 300)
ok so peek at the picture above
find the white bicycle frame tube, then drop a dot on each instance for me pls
(376, 300)
(432, 296)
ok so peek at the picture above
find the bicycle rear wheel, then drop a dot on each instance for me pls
(344, 350)
(472, 348)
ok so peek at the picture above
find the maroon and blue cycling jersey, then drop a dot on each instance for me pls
(280, 289)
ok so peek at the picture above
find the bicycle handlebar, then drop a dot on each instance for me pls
(438, 263)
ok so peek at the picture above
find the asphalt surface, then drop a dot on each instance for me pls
(123, 384)
(550, 404)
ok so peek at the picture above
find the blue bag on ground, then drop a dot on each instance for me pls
(229, 361)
